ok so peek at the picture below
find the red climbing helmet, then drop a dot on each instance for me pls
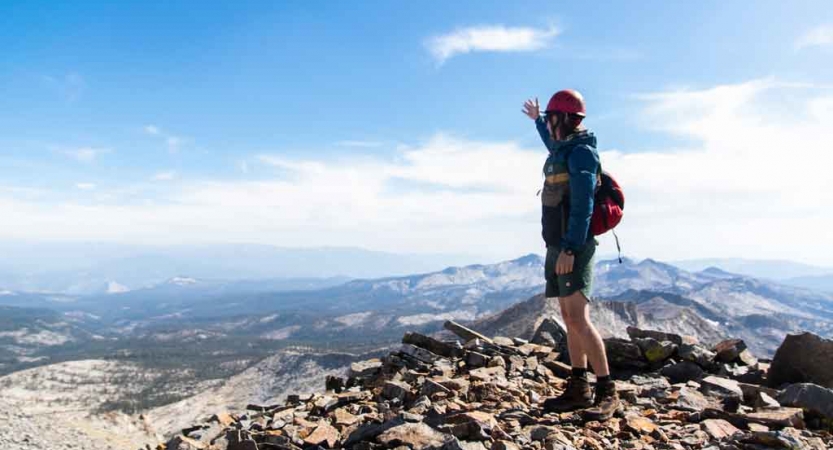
(567, 101)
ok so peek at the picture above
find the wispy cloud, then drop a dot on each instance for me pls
(820, 36)
(748, 183)
(70, 86)
(164, 176)
(489, 38)
(85, 154)
(734, 187)
(174, 143)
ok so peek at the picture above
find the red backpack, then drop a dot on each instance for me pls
(608, 208)
(608, 205)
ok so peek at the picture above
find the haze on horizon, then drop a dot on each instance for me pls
(299, 125)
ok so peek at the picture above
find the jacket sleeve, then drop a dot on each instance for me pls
(582, 164)
(545, 133)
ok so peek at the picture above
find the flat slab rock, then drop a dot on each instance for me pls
(417, 436)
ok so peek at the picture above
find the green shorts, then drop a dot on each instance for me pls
(581, 279)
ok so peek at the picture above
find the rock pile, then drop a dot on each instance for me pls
(485, 393)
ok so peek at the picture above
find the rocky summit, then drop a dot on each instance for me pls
(479, 392)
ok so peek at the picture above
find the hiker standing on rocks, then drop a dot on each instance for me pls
(571, 172)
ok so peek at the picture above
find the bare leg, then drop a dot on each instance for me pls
(576, 313)
(578, 357)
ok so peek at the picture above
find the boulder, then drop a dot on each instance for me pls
(449, 350)
(734, 350)
(721, 387)
(396, 390)
(803, 358)
(417, 436)
(697, 354)
(636, 333)
(550, 333)
(363, 369)
(655, 351)
(810, 397)
(682, 372)
(623, 354)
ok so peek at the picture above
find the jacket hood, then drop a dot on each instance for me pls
(583, 137)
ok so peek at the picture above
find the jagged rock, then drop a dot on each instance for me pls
(697, 354)
(719, 429)
(420, 353)
(558, 368)
(504, 341)
(473, 425)
(789, 438)
(640, 425)
(691, 400)
(550, 333)
(475, 359)
(476, 408)
(418, 436)
(682, 372)
(324, 434)
(465, 333)
(624, 354)
(344, 417)
(655, 351)
(366, 368)
(810, 397)
(396, 390)
(431, 387)
(803, 358)
(722, 387)
(637, 333)
(764, 401)
(433, 345)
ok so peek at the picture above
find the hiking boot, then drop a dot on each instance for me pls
(576, 395)
(606, 403)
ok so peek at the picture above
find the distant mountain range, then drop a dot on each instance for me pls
(91, 268)
(787, 272)
(359, 315)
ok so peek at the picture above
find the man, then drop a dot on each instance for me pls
(571, 174)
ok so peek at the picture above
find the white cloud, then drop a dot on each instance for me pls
(85, 186)
(85, 154)
(164, 176)
(493, 38)
(752, 182)
(174, 143)
(819, 36)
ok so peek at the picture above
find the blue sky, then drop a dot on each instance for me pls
(336, 123)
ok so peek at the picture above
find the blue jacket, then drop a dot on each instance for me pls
(578, 153)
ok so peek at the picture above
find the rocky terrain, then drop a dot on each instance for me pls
(177, 352)
(478, 392)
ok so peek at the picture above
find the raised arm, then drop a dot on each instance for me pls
(533, 111)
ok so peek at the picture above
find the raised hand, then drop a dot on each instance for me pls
(531, 109)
